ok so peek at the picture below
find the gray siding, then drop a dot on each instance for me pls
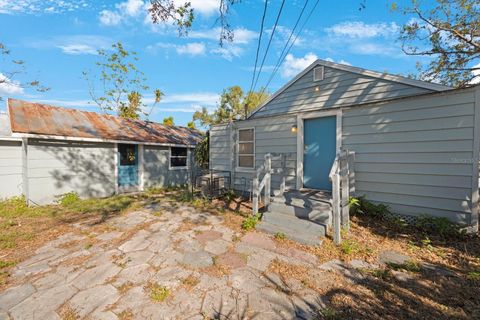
(338, 88)
(272, 135)
(57, 167)
(220, 157)
(415, 155)
(10, 169)
(156, 168)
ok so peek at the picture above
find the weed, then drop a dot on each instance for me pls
(349, 246)
(473, 276)
(407, 266)
(229, 196)
(88, 246)
(158, 293)
(250, 222)
(438, 226)
(68, 198)
(280, 236)
(13, 207)
(329, 314)
(67, 313)
(190, 281)
(361, 206)
(126, 315)
(6, 264)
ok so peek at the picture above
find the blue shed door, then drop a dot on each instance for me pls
(127, 165)
(320, 148)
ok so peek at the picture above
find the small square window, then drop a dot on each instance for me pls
(178, 157)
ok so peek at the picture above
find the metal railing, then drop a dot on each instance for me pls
(342, 177)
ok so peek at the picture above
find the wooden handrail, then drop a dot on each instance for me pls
(342, 177)
(263, 184)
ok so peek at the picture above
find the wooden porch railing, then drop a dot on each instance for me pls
(262, 184)
(342, 177)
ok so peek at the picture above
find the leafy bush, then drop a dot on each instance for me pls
(439, 226)
(361, 206)
(68, 198)
(251, 222)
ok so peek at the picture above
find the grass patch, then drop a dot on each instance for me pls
(407, 266)
(158, 293)
(68, 199)
(280, 236)
(349, 246)
(7, 264)
(250, 222)
(473, 275)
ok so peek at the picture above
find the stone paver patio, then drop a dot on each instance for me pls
(207, 269)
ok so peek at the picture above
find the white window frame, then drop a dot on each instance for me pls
(170, 157)
(239, 168)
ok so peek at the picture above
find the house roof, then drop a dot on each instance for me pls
(386, 76)
(45, 121)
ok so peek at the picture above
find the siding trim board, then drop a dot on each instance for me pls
(475, 165)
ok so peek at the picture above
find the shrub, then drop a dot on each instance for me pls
(361, 206)
(251, 222)
(68, 198)
(438, 226)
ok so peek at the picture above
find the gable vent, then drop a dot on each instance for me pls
(318, 73)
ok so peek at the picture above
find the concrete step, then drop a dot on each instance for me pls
(305, 238)
(320, 214)
(295, 224)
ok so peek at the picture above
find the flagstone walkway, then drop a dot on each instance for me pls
(180, 264)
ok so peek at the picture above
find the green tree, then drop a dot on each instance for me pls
(449, 34)
(191, 125)
(202, 152)
(234, 104)
(11, 68)
(169, 121)
(121, 83)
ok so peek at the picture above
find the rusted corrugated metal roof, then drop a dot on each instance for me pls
(36, 118)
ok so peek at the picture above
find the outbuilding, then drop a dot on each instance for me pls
(47, 151)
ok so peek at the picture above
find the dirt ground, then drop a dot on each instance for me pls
(381, 270)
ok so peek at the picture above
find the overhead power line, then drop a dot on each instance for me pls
(269, 43)
(259, 43)
(281, 59)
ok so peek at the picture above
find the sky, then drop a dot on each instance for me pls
(59, 39)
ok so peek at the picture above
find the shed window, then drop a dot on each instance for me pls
(178, 157)
(246, 148)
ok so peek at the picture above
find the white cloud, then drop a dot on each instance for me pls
(77, 49)
(9, 87)
(476, 73)
(358, 29)
(199, 98)
(193, 49)
(241, 35)
(292, 66)
(228, 52)
(39, 6)
(110, 18)
(77, 44)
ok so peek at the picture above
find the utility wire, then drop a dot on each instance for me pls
(259, 42)
(269, 43)
(277, 66)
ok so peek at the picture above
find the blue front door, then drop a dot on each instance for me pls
(320, 148)
(127, 165)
